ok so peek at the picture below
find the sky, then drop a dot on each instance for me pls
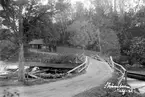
(130, 4)
(86, 3)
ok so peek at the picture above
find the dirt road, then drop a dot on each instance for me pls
(96, 74)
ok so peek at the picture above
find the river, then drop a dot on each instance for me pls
(134, 83)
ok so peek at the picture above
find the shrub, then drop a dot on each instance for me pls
(46, 76)
(109, 42)
(137, 50)
(63, 59)
(46, 58)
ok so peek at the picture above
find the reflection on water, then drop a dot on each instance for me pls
(1, 66)
(4, 66)
(134, 83)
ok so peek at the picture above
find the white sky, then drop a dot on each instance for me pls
(44, 2)
(130, 4)
(86, 3)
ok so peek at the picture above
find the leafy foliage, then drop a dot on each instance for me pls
(37, 18)
(83, 33)
(7, 48)
(47, 58)
(137, 50)
(109, 42)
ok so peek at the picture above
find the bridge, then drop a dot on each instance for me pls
(97, 73)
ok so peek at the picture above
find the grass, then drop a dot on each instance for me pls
(60, 50)
(103, 92)
(69, 50)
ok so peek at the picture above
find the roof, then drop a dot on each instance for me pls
(37, 41)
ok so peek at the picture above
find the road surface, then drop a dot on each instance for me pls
(97, 73)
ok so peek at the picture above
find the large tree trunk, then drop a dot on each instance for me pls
(21, 73)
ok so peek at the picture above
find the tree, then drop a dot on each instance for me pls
(11, 16)
(63, 20)
(6, 48)
(23, 18)
(137, 50)
(109, 42)
(83, 33)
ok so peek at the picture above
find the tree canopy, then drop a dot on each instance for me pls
(105, 26)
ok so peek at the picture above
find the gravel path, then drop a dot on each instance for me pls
(96, 74)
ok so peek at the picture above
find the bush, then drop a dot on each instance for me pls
(137, 50)
(109, 42)
(46, 58)
(49, 75)
(63, 59)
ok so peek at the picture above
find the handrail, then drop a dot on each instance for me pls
(84, 63)
(83, 68)
(123, 71)
(97, 57)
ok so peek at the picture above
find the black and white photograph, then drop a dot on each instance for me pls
(72, 48)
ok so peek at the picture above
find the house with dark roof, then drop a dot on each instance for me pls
(36, 43)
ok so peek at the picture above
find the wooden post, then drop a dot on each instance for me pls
(87, 63)
(112, 63)
(125, 77)
(76, 58)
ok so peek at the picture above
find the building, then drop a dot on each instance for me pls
(36, 43)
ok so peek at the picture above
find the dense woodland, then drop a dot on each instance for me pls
(111, 27)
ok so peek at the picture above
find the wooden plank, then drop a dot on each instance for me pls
(78, 66)
(83, 68)
(123, 71)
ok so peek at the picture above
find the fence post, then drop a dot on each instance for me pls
(76, 58)
(87, 61)
(125, 77)
(112, 63)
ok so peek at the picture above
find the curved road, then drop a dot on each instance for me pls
(97, 73)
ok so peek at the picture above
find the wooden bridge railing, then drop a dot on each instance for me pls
(121, 69)
(82, 66)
